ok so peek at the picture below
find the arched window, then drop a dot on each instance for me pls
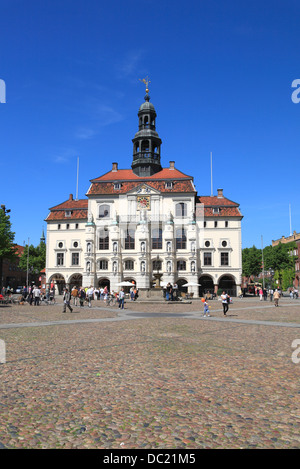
(104, 239)
(104, 211)
(146, 122)
(145, 148)
(181, 210)
(129, 240)
(180, 238)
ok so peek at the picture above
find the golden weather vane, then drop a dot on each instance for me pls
(146, 81)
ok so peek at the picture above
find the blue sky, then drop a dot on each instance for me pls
(221, 75)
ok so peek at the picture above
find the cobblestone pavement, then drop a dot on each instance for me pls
(151, 376)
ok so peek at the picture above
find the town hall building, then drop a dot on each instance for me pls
(145, 224)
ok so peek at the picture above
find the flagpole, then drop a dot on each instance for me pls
(263, 265)
(77, 178)
(211, 176)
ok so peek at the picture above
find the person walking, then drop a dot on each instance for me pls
(74, 294)
(121, 298)
(206, 309)
(67, 298)
(225, 301)
(81, 295)
(271, 293)
(90, 295)
(276, 297)
(36, 294)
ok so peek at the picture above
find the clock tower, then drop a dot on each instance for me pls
(146, 143)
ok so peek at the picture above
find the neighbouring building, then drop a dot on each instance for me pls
(145, 224)
(294, 237)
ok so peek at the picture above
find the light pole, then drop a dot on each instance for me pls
(27, 286)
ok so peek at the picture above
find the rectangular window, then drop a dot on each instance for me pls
(104, 240)
(103, 265)
(226, 224)
(156, 238)
(216, 224)
(180, 238)
(129, 240)
(60, 258)
(224, 258)
(207, 258)
(75, 258)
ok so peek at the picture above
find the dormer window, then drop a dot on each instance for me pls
(169, 185)
(216, 210)
(104, 211)
(117, 186)
(68, 213)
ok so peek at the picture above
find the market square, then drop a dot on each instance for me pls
(151, 376)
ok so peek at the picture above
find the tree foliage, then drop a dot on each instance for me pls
(251, 259)
(7, 246)
(36, 258)
(279, 259)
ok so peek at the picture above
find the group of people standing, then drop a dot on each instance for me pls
(78, 296)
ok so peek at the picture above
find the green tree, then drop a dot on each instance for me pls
(7, 246)
(279, 257)
(36, 258)
(251, 259)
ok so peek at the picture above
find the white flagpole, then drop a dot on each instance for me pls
(77, 178)
(211, 176)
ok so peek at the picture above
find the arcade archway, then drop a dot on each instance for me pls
(227, 283)
(59, 283)
(206, 285)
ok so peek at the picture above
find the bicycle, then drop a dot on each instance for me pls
(46, 301)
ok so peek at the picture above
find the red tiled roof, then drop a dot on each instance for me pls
(61, 215)
(129, 175)
(71, 204)
(227, 208)
(108, 188)
(78, 210)
(19, 250)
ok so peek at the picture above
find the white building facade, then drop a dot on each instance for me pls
(145, 225)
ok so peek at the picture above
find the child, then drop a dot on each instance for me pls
(206, 309)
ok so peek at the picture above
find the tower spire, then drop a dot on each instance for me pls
(146, 143)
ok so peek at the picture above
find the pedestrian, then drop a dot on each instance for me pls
(30, 296)
(121, 298)
(90, 295)
(67, 298)
(276, 297)
(74, 295)
(36, 295)
(271, 293)
(265, 293)
(260, 294)
(81, 295)
(206, 309)
(225, 301)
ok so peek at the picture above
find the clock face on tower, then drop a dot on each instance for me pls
(143, 202)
